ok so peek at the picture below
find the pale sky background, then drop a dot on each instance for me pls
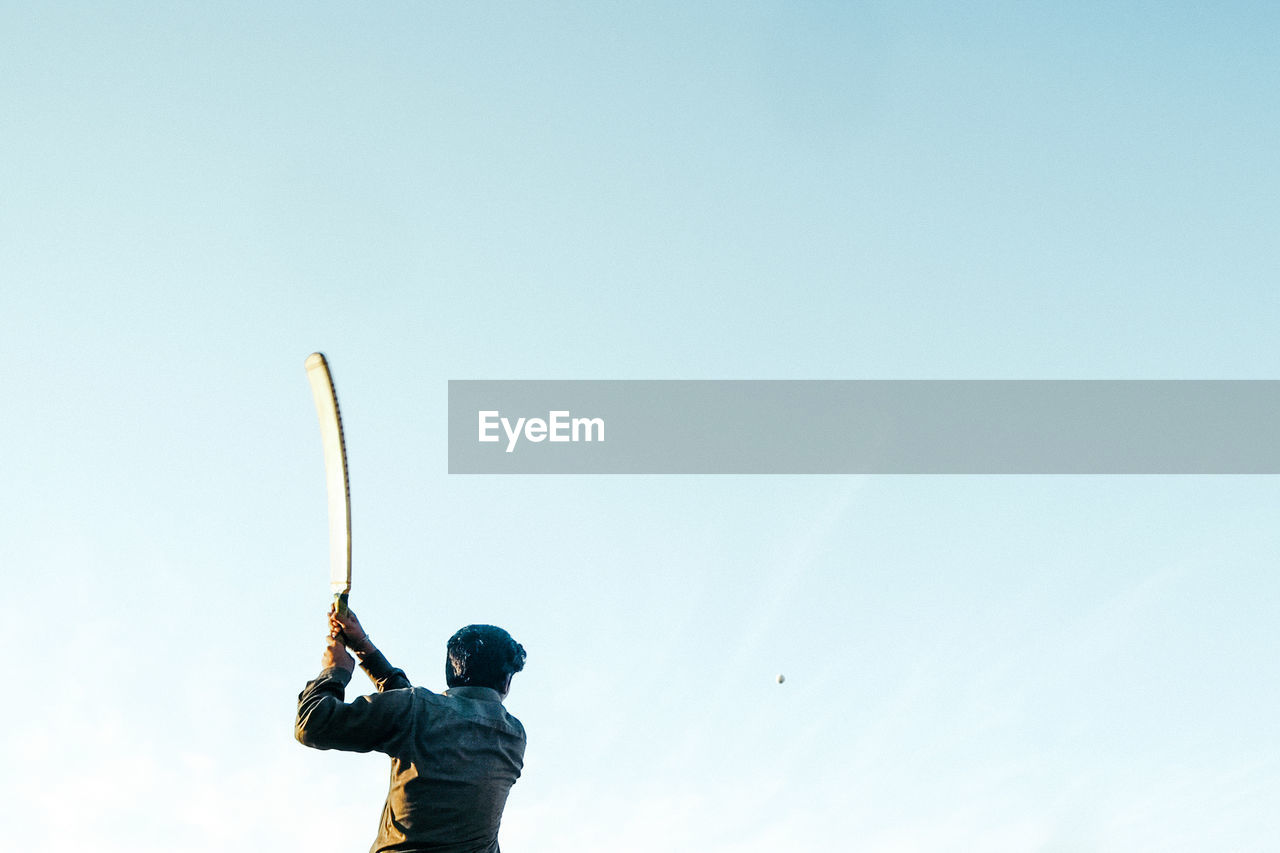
(194, 197)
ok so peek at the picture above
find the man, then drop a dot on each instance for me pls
(454, 755)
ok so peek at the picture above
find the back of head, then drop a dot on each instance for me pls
(482, 656)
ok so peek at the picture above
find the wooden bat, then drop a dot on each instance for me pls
(337, 482)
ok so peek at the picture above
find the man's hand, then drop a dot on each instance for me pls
(335, 654)
(348, 629)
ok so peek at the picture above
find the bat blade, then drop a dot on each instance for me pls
(337, 482)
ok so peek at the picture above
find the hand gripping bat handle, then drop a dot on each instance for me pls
(340, 608)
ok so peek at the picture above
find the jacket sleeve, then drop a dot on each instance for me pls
(383, 675)
(365, 724)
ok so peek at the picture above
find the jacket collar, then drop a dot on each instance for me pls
(482, 694)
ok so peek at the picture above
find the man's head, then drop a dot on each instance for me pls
(483, 656)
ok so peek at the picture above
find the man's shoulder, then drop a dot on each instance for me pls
(479, 705)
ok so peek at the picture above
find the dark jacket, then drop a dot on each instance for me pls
(454, 755)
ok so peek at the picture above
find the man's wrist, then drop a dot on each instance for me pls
(336, 672)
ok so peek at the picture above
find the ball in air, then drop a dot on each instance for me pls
(781, 678)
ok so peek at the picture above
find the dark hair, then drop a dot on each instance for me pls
(482, 656)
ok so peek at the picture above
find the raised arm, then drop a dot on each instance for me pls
(384, 676)
(324, 721)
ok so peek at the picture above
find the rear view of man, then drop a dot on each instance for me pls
(454, 755)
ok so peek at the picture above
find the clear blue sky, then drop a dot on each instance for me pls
(192, 198)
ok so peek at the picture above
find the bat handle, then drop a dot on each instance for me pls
(340, 604)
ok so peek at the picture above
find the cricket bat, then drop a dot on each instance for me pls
(337, 483)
